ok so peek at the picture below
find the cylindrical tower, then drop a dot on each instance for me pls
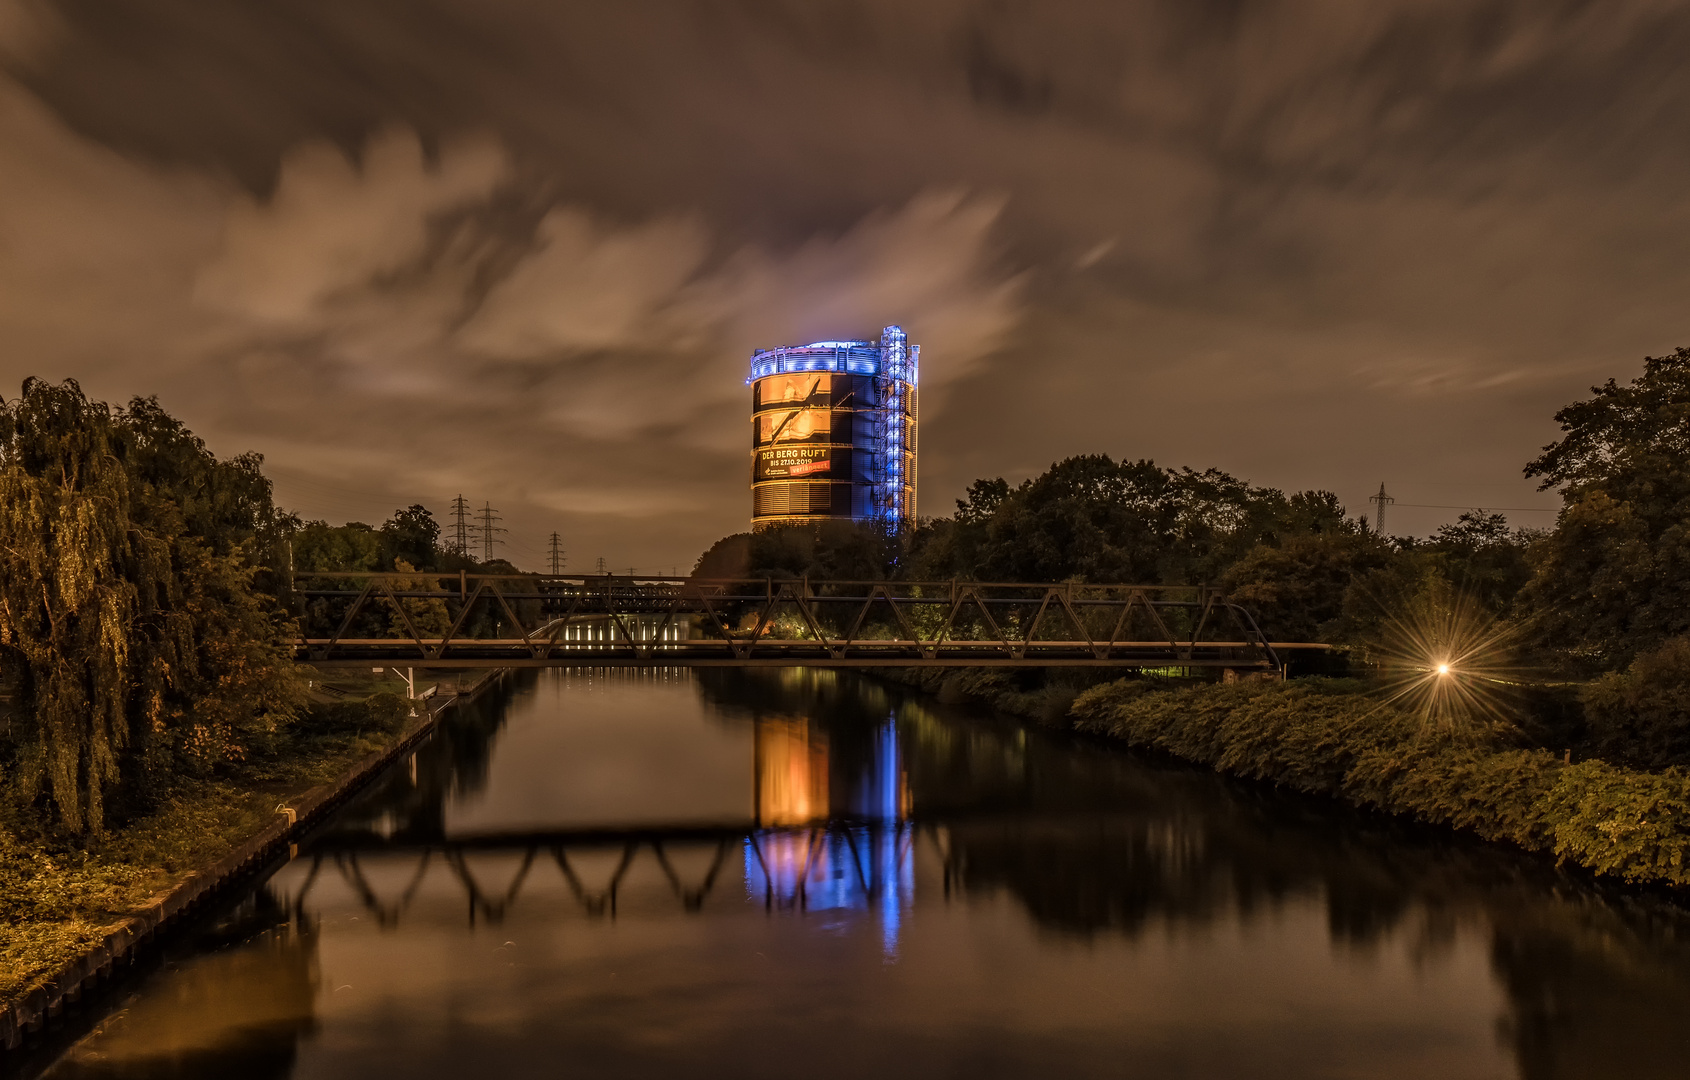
(833, 432)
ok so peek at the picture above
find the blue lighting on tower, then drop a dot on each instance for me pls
(879, 392)
(845, 357)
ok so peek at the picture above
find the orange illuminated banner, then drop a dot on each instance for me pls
(794, 425)
(791, 388)
(794, 462)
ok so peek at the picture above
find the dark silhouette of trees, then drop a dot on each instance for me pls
(1296, 588)
(828, 550)
(1092, 518)
(1613, 578)
(1641, 716)
(1485, 559)
(411, 536)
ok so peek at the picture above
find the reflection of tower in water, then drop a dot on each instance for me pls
(790, 761)
(832, 830)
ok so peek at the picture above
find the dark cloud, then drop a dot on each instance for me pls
(520, 249)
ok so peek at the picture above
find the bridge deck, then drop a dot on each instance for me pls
(518, 652)
(769, 622)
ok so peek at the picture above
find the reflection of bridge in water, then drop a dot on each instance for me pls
(822, 867)
(825, 835)
(461, 622)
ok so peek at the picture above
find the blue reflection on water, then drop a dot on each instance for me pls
(861, 864)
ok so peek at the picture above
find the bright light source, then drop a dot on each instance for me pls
(1442, 656)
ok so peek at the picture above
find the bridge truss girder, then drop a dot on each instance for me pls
(822, 623)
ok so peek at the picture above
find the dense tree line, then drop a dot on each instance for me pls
(136, 639)
(409, 540)
(1306, 569)
(146, 619)
(1613, 579)
(1610, 585)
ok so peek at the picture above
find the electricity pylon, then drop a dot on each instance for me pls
(1381, 500)
(460, 527)
(557, 553)
(488, 516)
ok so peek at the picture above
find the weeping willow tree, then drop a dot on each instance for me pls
(137, 648)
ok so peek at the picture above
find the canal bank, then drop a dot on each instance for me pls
(1337, 738)
(31, 1004)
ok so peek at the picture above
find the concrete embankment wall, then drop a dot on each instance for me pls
(144, 929)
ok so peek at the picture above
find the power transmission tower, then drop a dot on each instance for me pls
(460, 526)
(601, 567)
(1382, 500)
(488, 516)
(557, 553)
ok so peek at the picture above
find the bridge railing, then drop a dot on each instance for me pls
(470, 619)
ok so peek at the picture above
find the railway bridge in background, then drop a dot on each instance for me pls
(469, 620)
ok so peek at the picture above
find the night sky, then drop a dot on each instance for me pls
(522, 250)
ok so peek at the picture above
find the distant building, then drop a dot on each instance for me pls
(833, 432)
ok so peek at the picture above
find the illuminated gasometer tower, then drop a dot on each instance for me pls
(833, 432)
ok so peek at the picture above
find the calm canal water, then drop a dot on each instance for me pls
(789, 873)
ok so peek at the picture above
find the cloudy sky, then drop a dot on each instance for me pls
(521, 249)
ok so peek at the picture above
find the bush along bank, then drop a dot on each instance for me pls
(61, 899)
(1329, 737)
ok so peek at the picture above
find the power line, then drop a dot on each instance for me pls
(556, 553)
(1501, 509)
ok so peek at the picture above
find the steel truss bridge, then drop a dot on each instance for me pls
(603, 621)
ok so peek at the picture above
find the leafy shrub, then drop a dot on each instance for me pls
(1622, 822)
(1642, 716)
(382, 713)
(1327, 737)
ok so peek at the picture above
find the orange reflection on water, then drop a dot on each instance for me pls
(791, 772)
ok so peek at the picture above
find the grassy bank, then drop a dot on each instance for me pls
(1330, 737)
(57, 899)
